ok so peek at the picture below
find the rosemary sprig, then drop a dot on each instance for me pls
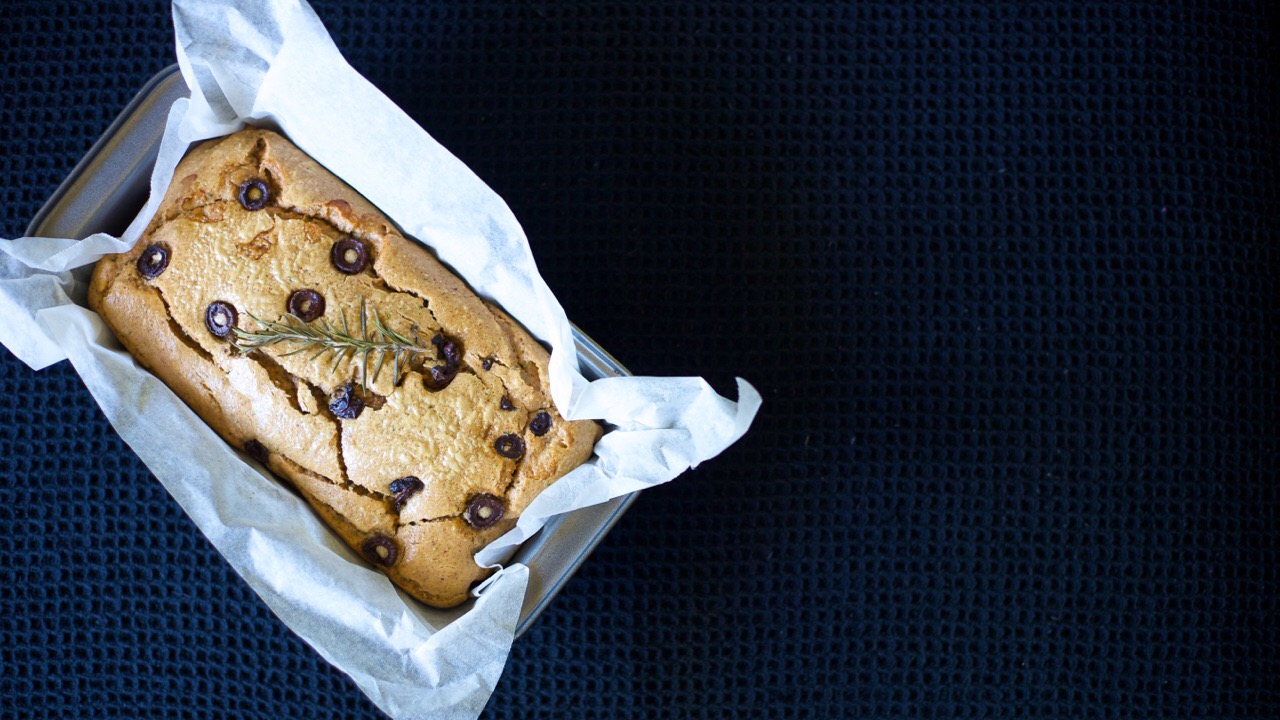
(374, 338)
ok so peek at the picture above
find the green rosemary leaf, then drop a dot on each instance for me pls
(377, 369)
(364, 369)
(304, 348)
(337, 359)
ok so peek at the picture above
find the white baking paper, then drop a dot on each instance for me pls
(273, 64)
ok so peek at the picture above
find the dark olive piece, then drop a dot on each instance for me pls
(505, 403)
(447, 350)
(380, 550)
(404, 488)
(349, 255)
(509, 446)
(439, 376)
(219, 318)
(254, 194)
(540, 424)
(307, 305)
(153, 261)
(487, 363)
(483, 511)
(257, 451)
(345, 403)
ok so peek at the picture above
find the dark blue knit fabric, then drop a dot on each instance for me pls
(1005, 272)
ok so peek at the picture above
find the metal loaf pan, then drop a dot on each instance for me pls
(110, 184)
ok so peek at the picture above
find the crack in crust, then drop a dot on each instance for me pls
(342, 461)
(382, 283)
(181, 333)
(344, 484)
(288, 383)
(360, 490)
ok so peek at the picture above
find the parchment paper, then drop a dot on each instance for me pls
(273, 64)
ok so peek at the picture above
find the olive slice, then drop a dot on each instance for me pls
(307, 305)
(380, 550)
(509, 446)
(349, 255)
(153, 260)
(540, 424)
(219, 318)
(483, 511)
(254, 194)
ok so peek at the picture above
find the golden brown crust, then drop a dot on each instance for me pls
(278, 404)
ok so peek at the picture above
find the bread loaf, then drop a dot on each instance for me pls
(294, 318)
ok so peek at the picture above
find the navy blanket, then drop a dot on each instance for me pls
(1006, 274)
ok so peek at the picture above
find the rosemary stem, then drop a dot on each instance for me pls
(374, 339)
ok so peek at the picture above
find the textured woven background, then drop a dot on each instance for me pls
(1005, 272)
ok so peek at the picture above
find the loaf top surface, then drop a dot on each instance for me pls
(468, 414)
